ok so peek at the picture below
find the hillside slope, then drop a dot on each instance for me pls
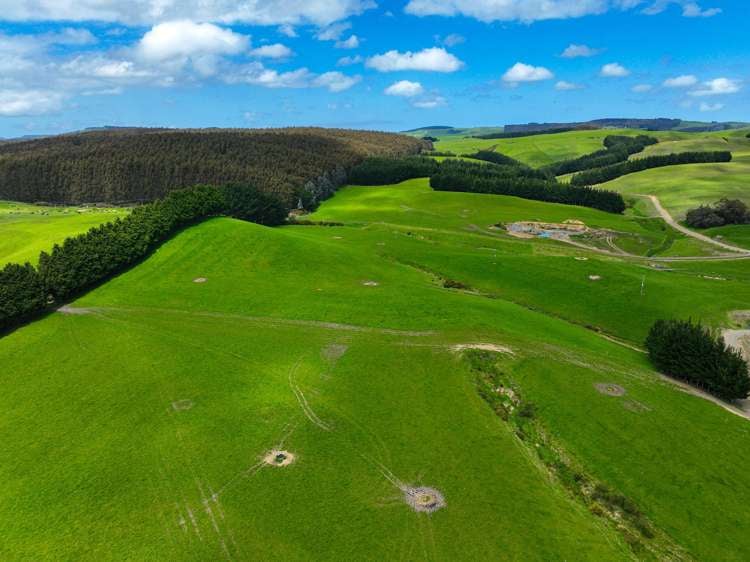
(132, 165)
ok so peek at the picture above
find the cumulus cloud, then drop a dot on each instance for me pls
(641, 88)
(684, 81)
(275, 51)
(288, 30)
(435, 59)
(452, 40)
(185, 38)
(333, 32)
(693, 10)
(15, 103)
(574, 51)
(351, 43)
(404, 88)
(336, 81)
(717, 87)
(711, 106)
(564, 86)
(521, 72)
(150, 12)
(614, 70)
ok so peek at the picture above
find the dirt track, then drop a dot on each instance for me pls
(664, 214)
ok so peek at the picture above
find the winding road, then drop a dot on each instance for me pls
(664, 214)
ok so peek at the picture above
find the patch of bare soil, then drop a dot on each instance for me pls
(182, 405)
(595, 277)
(74, 311)
(610, 389)
(424, 500)
(278, 458)
(581, 258)
(483, 347)
(334, 351)
(370, 283)
(200, 280)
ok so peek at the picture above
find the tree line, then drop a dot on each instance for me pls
(608, 173)
(725, 211)
(386, 171)
(141, 165)
(519, 134)
(83, 261)
(521, 182)
(617, 148)
(689, 352)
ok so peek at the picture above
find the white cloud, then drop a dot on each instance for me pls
(351, 43)
(641, 88)
(435, 59)
(258, 75)
(185, 38)
(711, 106)
(336, 81)
(564, 86)
(521, 72)
(29, 102)
(275, 51)
(684, 81)
(430, 102)
(349, 61)
(405, 89)
(614, 70)
(150, 12)
(288, 30)
(693, 10)
(573, 51)
(717, 86)
(535, 10)
(453, 39)
(333, 32)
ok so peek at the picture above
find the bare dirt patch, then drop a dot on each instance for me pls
(482, 347)
(581, 258)
(595, 277)
(334, 351)
(423, 499)
(610, 389)
(182, 405)
(370, 283)
(279, 458)
(73, 311)
(200, 280)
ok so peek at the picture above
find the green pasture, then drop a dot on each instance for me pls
(26, 230)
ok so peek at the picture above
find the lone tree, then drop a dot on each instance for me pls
(690, 352)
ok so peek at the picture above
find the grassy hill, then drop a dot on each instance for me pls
(140, 432)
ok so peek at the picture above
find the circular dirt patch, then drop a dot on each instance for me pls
(610, 389)
(426, 500)
(370, 283)
(200, 280)
(278, 458)
(181, 405)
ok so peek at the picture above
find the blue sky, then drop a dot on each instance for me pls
(392, 65)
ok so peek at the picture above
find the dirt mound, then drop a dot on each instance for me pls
(482, 347)
(278, 458)
(610, 389)
(425, 500)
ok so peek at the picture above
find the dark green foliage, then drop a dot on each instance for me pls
(724, 211)
(430, 139)
(139, 165)
(617, 149)
(689, 352)
(21, 292)
(246, 203)
(518, 134)
(385, 171)
(83, 261)
(453, 284)
(605, 174)
(494, 157)
(521, 182)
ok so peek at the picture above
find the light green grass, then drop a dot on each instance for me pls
(97, 464)
(26, 230)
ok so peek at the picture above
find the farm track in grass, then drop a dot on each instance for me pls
(142, 429)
